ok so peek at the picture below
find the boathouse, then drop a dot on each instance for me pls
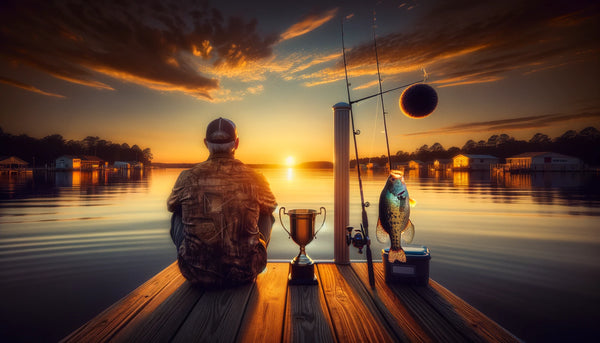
(128, 165)
(442, 164)
(121, 165)
(415, 164)
(543, 161)
(91, 162)
(68, 162)
(401, 166)
(12, 164)
(473, 162)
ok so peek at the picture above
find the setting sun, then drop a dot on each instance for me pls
(290, 161)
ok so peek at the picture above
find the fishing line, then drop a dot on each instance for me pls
(430, 92)
(387, 141)
(365, 219)
(374, 134)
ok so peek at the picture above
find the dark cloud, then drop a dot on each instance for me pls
(152, 43)
(470, 41)
(521, 123)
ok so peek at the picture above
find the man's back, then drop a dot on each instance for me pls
(220, 202)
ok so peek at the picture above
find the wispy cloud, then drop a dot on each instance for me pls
(522, 123)
(153, 44)
(308, 24)
(256, 89)
(313, 60)
(27, 87)
(470, 41)
(190, 47)
(367, 85)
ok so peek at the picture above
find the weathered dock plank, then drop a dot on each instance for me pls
(307, 316)
(352, 319)
(104, 326)
(386, 298)
(160, 321)
(264, 317)
(433, 313)
(378, 310)
(440, 324)
(341, 308)
(216, 316)
(484, 326)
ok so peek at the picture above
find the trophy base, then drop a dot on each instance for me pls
(302, 274)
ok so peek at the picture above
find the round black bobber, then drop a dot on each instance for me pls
(418, 101)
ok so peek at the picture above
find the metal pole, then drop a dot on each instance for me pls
(341, 203)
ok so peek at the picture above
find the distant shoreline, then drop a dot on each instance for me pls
(305, 165)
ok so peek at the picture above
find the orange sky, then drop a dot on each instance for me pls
(154, 74)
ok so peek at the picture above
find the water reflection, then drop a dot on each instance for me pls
(50, 183)
(494, 239)
(545, 188)
(85, 238)
(461, 178)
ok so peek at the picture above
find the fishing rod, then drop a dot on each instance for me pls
(381, 91)
(387, 91)
(364, 240)
(387, 140)
(417, 101)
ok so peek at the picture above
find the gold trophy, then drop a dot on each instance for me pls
(302, 231)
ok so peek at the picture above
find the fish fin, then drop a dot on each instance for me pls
(409, 233)
(412, 202)
(382, 236)
(397, 255)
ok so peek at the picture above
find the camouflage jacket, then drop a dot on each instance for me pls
(220, 201)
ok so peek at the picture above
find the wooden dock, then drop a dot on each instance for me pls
(341, 308)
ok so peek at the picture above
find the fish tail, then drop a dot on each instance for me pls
(397, 255)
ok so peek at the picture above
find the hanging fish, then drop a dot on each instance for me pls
(394, 216)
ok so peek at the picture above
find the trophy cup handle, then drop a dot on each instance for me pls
(323, 211)
(281, 220)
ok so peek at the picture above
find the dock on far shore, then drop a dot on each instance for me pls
(341, 308)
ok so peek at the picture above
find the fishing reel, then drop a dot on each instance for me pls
(357, 238)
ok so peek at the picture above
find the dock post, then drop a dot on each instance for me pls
(341, 202)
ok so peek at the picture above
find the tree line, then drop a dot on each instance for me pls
(45, 151)
(583, 144)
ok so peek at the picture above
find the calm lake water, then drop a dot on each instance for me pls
(524, 249)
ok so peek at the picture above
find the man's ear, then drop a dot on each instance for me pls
(206, 145)
(237, 142)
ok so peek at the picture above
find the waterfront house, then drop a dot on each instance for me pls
(91, 162)
(128, 165)
(543, 161)
(442, 164)
(415, 164)
(401, 166)
(12, 164)
(122, 165)
(473, 162)
(136, 165)
(68, 162)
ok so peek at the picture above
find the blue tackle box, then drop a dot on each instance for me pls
(414, 271)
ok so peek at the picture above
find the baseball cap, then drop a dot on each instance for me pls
(221, 131)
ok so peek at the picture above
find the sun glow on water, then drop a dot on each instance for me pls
(290, 161)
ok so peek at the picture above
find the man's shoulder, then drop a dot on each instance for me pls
(224, 166)
(251, 171)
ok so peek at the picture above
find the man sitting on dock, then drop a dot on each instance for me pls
(222, 214)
